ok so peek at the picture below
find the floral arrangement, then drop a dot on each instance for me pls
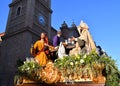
(75, 68)
(89, 67)
(30, 69)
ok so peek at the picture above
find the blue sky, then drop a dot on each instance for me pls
(102, 17)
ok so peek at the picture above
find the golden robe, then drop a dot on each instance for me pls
(41, 57)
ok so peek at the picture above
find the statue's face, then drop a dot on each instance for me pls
(82, 28)
(42, 35)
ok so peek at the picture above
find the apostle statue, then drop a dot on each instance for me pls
(85, 40)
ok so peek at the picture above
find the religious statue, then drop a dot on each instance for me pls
(85, 40)
(39, 53)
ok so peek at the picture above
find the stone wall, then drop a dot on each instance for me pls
(14, 47)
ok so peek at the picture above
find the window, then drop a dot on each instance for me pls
(18, 11)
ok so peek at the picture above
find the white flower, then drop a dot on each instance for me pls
(76, 62)
(24, 62)
(71, 63)
(81, 61)
(33, 66)
(28, 68)
(27, 59)
(32, 59)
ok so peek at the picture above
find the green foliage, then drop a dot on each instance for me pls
(67, 62)
(30, 69)
(84, 64)
(111, 71)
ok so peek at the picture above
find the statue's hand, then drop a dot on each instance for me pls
(73, 38)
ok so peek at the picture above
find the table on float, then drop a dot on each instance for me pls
(67, 49)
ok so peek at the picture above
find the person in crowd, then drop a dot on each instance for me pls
(56, 39)
(40, 55)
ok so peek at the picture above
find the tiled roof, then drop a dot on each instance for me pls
(2, 34)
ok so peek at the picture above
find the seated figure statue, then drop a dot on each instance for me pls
(38, 50)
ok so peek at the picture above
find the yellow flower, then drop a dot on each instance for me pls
(84, 56)
(77, 56)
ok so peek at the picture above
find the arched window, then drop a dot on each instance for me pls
(18, 11)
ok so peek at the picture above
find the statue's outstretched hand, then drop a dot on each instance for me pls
(73, 38)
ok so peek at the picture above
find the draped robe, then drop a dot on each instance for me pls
(40, 57)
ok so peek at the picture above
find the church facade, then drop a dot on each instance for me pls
(71, 31)
(26, 20)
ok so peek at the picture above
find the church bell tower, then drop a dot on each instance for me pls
(26, 20)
